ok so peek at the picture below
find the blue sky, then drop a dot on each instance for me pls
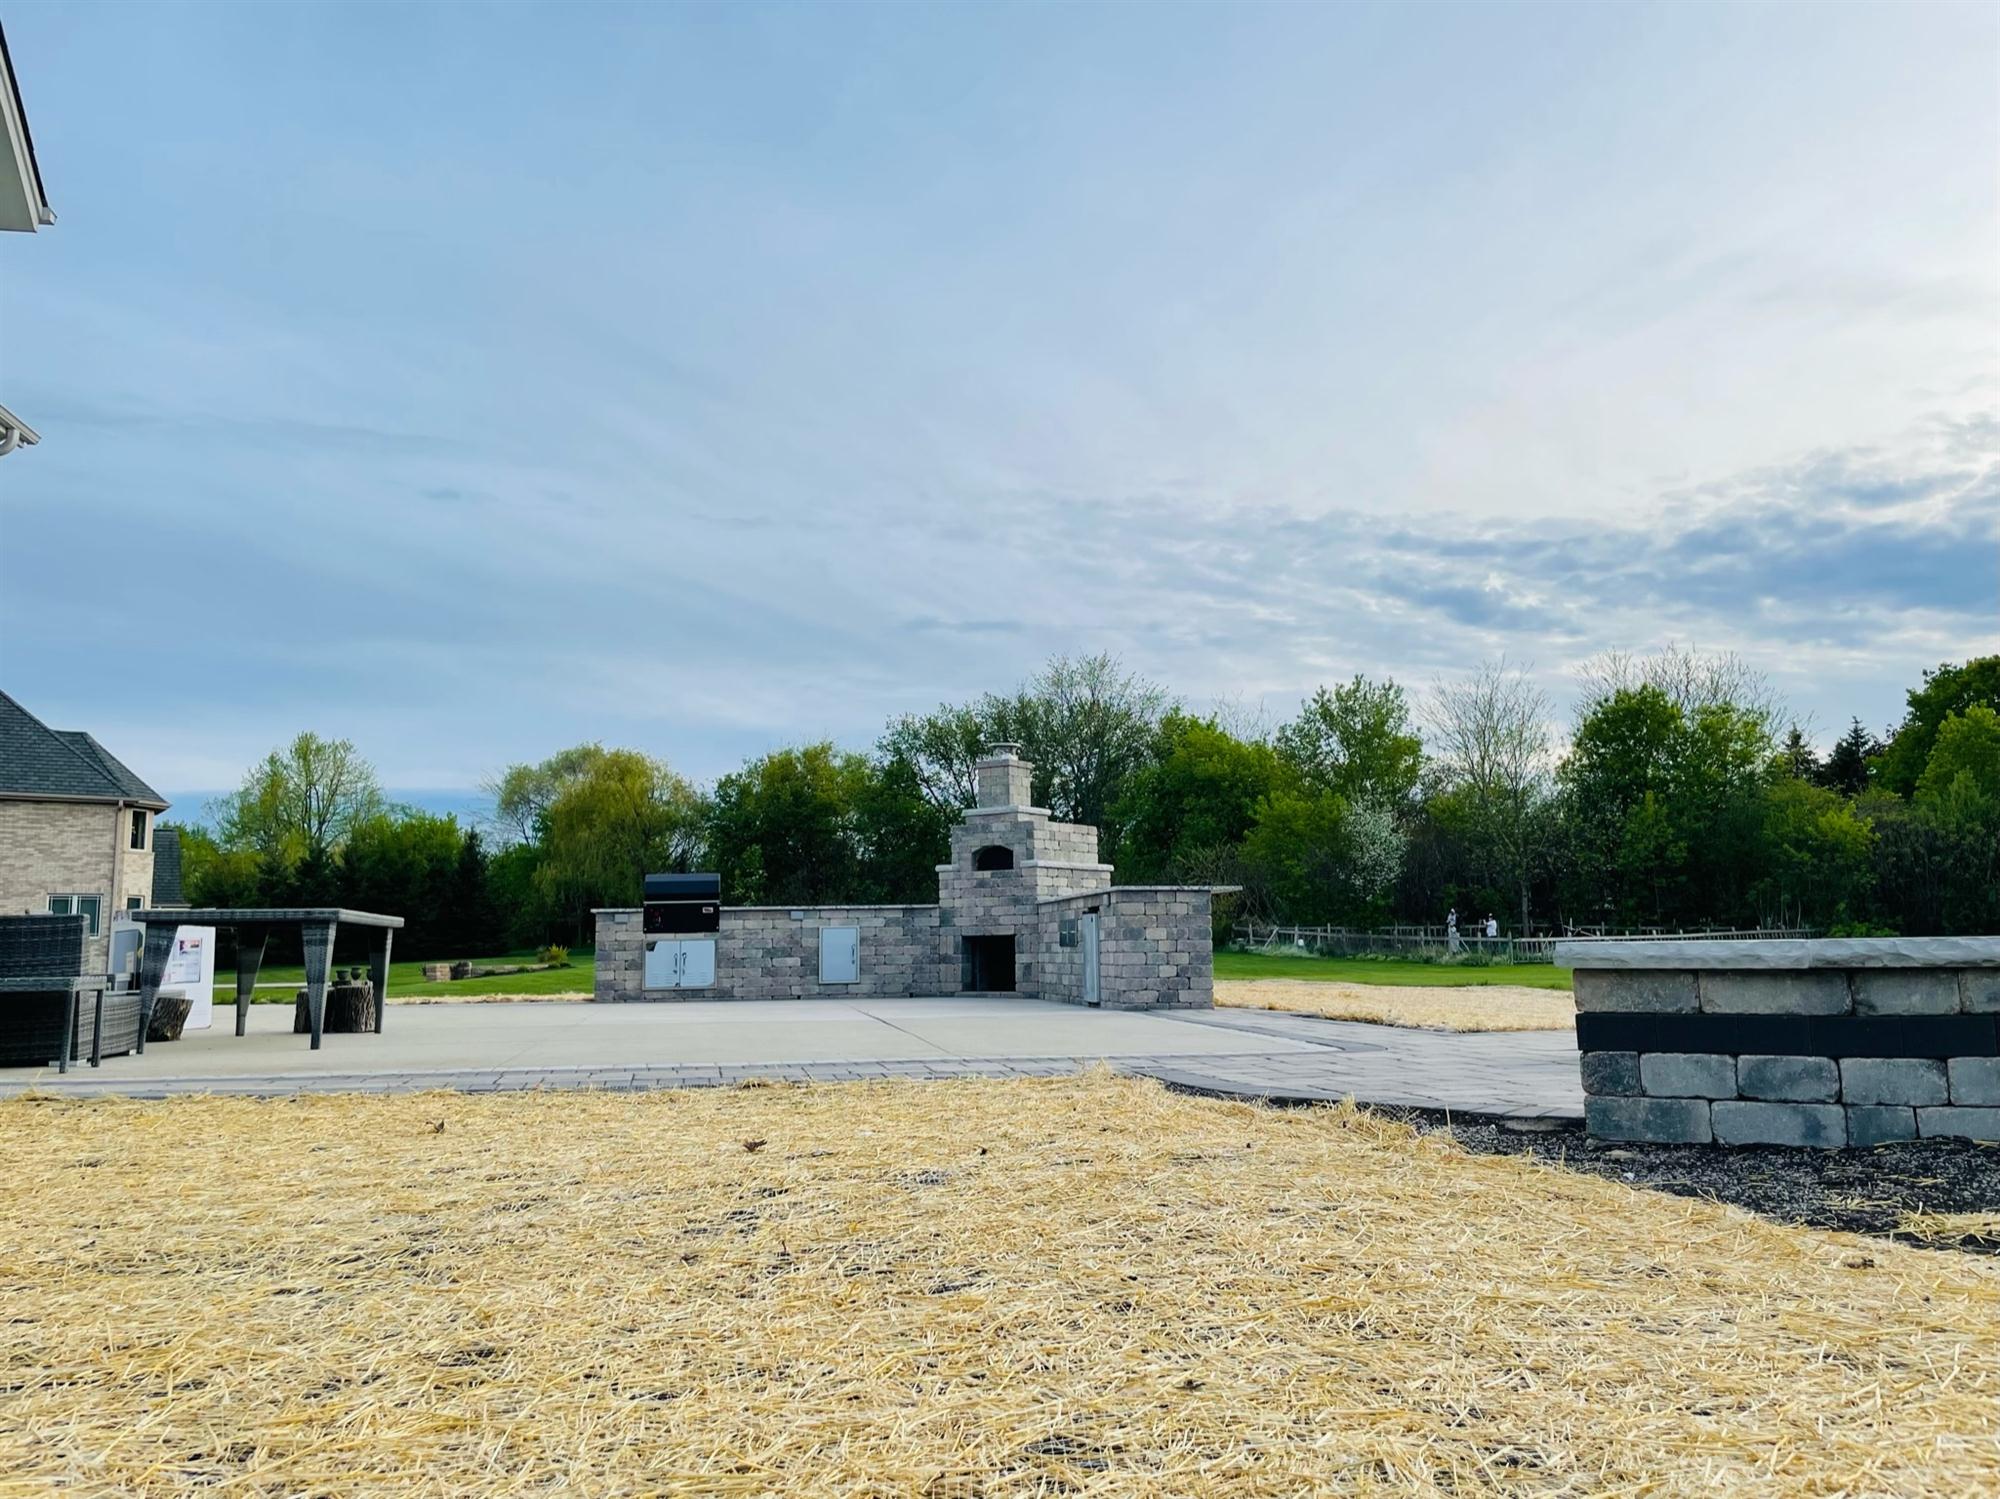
(475, 381)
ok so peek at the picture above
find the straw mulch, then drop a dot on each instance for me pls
(1496, 1007)
(1085, 1285)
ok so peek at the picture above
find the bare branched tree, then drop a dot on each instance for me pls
(1691, 680)
(1491, 736)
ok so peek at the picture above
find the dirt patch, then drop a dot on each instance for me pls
(1490, 1007)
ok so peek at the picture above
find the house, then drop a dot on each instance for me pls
(1024, 907)
(77, 828)
(24, 206)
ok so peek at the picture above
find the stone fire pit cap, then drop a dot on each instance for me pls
(1781, 953)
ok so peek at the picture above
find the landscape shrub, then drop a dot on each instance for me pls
(554, 955)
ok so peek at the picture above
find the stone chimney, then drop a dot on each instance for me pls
(1004, 778)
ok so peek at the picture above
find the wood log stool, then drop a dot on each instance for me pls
(170, 1013)
(350, 1009)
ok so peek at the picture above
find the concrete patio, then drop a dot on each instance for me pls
(1245, 1053)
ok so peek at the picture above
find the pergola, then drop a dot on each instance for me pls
(317, 925)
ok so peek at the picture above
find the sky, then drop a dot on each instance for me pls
(470, 382)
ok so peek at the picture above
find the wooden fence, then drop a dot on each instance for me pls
(1430, 943)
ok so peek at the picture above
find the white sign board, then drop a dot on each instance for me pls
(191, 969)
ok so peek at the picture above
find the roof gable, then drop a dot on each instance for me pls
(36, 760)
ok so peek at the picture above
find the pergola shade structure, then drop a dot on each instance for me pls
(317, 926)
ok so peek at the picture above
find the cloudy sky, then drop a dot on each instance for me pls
(471, 382)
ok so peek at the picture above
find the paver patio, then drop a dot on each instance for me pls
(1245, 1053)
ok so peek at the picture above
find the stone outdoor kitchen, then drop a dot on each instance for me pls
(1024, 907)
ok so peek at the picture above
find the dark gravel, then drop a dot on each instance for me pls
(1860, 1191)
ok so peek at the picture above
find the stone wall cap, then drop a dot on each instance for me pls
(635, 910)
(1011, 807)
(804, 911)
(1113, 891)
(1783, 953)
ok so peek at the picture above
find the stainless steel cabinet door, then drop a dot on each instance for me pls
(663, 961)
(840, 955)
(697, 965)
(1087, 929)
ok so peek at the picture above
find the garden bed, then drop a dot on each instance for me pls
(1942, 1194)
(976, 1287)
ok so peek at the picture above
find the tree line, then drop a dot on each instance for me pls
(1671, 798)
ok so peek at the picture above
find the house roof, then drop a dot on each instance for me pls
(24, 205)
(38, 761)
(167, 892)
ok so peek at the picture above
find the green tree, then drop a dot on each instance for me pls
(1947, 690)
(523, 794)
(1199, 795)
(527, 917)
(1086, 723)
(626, 816)
(301, 803)
(1664, 807)
(903, 836)
(1314, 858)
(1846, 767)
(1967, 744)
(1817, 858)
(1356, 739)
(1937, 859)
(940, 749)
(404, 862)
(1797, 759)
(212, 875)
(783, 830)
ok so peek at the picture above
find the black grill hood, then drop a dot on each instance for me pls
(684, 887)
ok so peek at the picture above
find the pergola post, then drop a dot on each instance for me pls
(378, 970)
(319, 937)
(250, 944)
(152, 968)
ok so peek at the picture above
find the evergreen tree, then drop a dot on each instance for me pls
(1846, 767)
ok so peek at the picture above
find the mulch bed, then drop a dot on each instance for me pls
(1939, 1194)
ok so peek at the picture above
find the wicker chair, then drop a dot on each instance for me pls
(31, 1019)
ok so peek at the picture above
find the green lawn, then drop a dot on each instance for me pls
(406, 980)
(1398, 972)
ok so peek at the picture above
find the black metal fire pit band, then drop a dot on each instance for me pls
(1793, 1035)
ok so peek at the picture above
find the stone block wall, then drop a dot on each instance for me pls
(1824, 1043)
(1154, 948)
(772, 952)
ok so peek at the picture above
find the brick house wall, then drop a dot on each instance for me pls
(72, 848)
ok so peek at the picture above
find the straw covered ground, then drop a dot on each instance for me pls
(1083, 1285)
(1491, 1007)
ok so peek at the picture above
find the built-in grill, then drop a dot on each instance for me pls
(683, 902)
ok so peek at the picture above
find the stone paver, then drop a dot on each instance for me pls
(483, 1048)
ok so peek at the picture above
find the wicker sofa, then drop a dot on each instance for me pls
(32, 1017)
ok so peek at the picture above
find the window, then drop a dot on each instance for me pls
(138, 827)
(91, 906)
(993, 856)
(135, 903)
